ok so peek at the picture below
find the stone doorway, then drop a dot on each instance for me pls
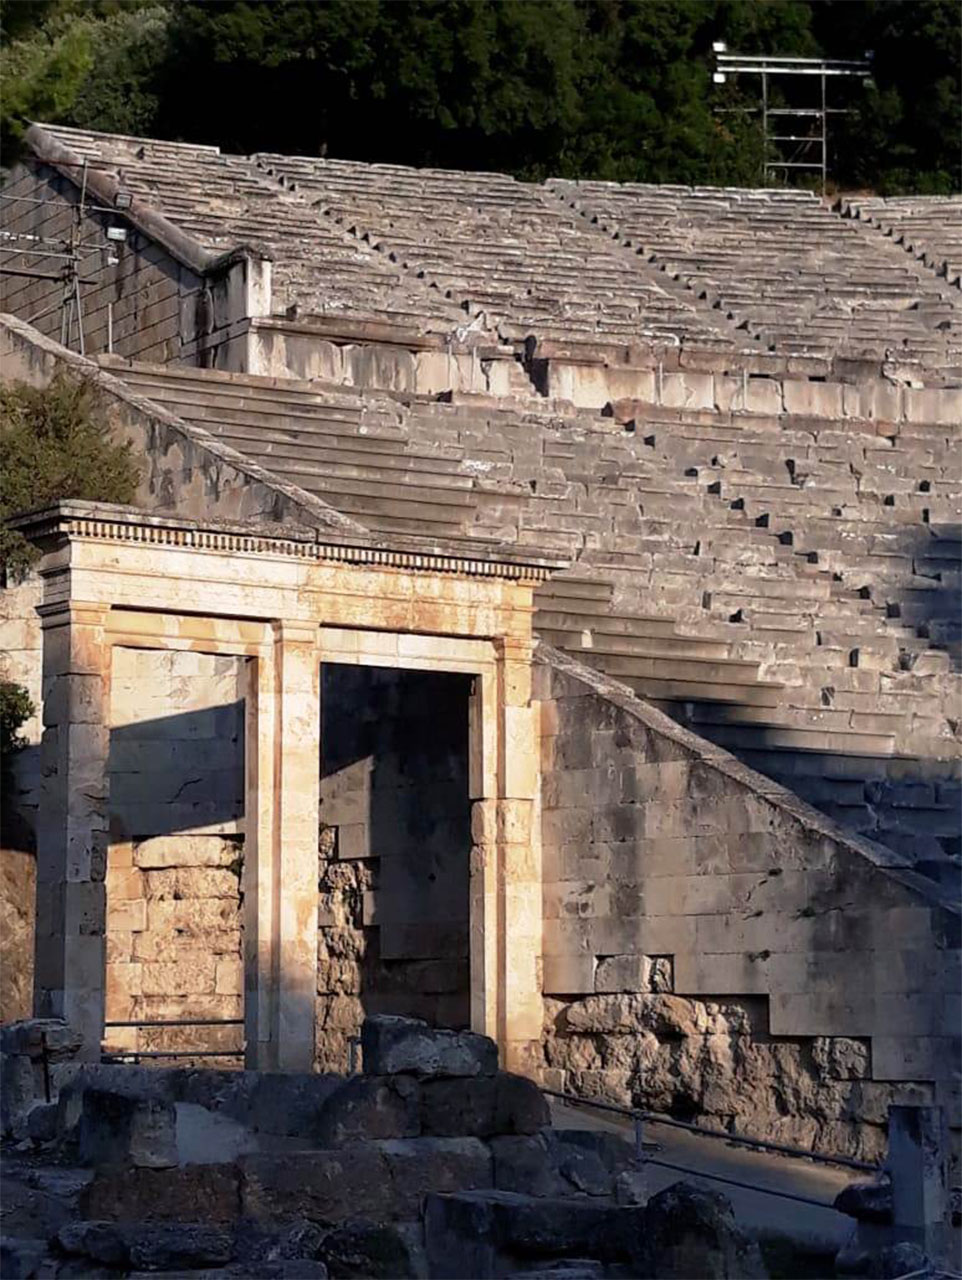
(394, 851)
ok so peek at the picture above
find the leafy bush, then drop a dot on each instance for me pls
(16, 708)
(54, 443)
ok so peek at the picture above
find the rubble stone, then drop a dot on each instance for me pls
(690, 1232)
(117, 1128)
(362, 1250)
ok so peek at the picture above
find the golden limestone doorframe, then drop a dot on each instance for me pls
(286, 602)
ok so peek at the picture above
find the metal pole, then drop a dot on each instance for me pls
(824, 139)
(110, 328)
(765, 128)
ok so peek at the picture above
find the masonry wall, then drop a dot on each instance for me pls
(176, 855)
(158, 306)
(182, 472)
(393, 852)
(713, 950)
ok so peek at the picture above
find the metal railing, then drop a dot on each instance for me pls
(116, 1056)
(640, 1117)
(738, 1139)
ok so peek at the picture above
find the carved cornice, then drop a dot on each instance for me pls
(72, 521)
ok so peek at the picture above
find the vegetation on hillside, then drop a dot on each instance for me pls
(616, 89)
(54, 443)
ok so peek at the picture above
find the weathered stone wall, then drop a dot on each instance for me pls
(175, 863)
(715, 949)
(394, 847)
(158, 307)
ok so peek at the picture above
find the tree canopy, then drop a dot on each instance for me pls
(55, 443)
(615, 89)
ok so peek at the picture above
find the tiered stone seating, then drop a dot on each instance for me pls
(929, 227)
(224, 201)
(792, 591)
(784, 268)
(501, 246)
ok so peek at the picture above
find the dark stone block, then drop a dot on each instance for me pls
(363, 1250)
(368, 1107)
(501, 1104)
(196, 1192)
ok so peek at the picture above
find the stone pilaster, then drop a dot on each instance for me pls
(296, 781)
(519, 860)
(69, 979)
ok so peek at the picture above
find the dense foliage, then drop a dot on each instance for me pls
(16, 708)
(618, 89)
(54, 443)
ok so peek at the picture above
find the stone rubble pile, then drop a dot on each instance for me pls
(431, 1163)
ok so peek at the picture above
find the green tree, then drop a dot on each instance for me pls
(616, 89)
(54, 443)
(90, 63)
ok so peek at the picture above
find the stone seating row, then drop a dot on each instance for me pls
(444, 226)
(719, 269)
(223, 202)
(705, 598)
(928, 227)
(782, 256)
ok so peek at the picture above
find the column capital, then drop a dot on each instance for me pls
(75, 613)
(296, 631)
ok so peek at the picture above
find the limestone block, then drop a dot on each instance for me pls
(687, 390)
(190, 918)
(634, 973)
(229, 977)
(391, 1044)
(569, 974)
(116, 1128)
(126, 916)
(155, 946)
(366, 1107)
(664, 1015)
(192, 975)
(482, 1107)
(813, 399)
(185, 851)
(183, 883)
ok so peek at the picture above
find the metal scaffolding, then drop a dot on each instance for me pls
(805, 129)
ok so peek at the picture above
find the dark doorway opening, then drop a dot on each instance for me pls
(394, 846)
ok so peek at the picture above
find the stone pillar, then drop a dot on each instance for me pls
(259, 737)
(69, 975)
(916, 1164)
(521, 1009)
(296, 782)
(483, 905)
